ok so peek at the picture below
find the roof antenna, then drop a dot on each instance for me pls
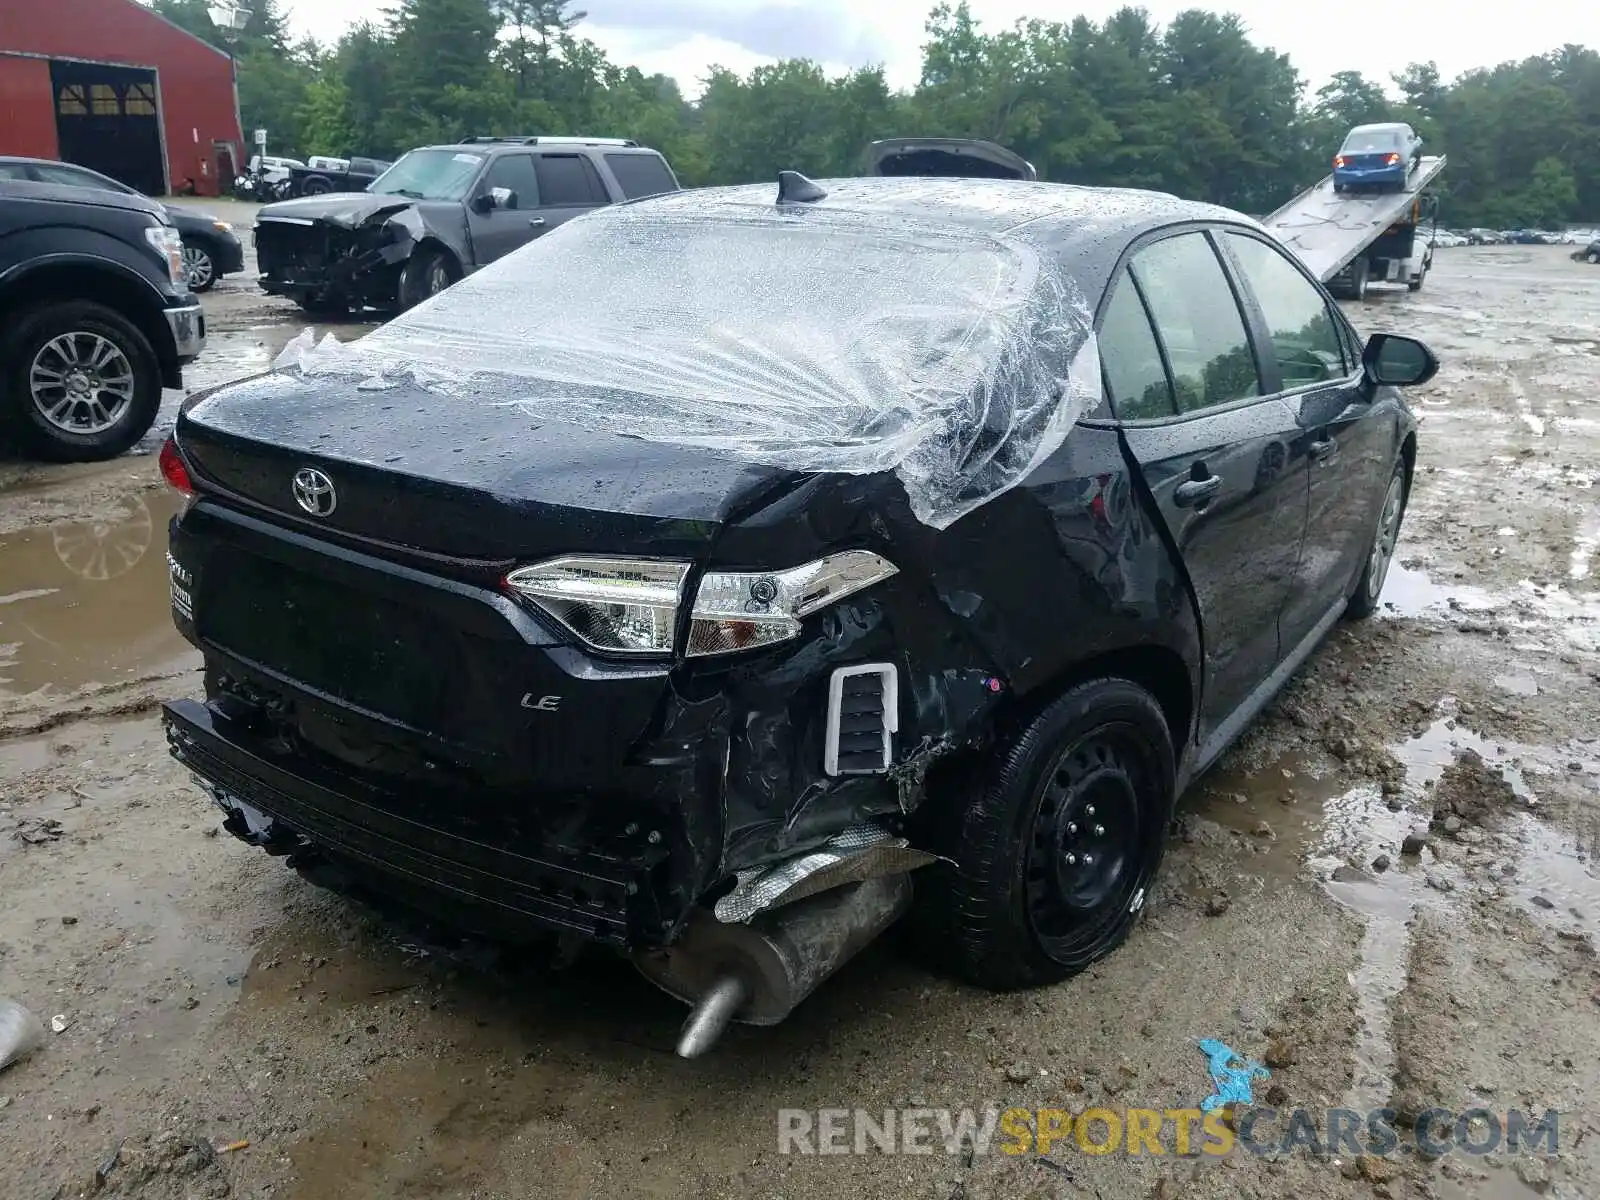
(795, 188)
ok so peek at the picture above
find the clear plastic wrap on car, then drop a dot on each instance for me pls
(807, 336)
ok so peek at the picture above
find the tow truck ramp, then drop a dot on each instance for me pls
(1330, 230)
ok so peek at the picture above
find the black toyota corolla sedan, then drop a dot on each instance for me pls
(729, 574)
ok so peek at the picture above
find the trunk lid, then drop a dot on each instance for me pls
(946, 158)
(460, 477)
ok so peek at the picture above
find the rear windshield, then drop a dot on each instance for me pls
(1371, 141)
(429, 175)
(823, 340)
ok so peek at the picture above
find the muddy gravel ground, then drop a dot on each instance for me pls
(1388, 891)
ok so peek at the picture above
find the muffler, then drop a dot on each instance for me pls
(757, 973)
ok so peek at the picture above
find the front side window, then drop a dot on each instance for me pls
(1199, 322)
(1130, 357)
(514, 171)
(1304, 332)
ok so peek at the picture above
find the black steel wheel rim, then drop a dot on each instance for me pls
(1089, 849)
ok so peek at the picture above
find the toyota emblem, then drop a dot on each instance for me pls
(313, 491)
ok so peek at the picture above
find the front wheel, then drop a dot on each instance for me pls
(1594, 257)
(199, 267)
(1053, 849)
(80, 382)
(425, 275)
(1364, 600)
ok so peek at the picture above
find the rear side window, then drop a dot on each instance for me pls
(569, 179)
(1199, 322)
(1130, 357)
(1304, 333)
(641, 174)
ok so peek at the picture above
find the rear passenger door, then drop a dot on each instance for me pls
(1350, 445)
(1213, 448)
(569, 186)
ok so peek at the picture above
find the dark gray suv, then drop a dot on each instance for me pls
(440, 213)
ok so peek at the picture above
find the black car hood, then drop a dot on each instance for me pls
(463, 478)
(344, 209)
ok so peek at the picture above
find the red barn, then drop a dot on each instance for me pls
(110, 85)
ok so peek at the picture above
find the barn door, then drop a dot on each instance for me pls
(107, 120)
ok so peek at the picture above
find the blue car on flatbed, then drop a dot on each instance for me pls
(1377, 156)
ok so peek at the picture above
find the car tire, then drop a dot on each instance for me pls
(1594, 257)
(316, 185)
(1359, 270)
(426, 273)
(110, 389)
(1020, 898)
(1338, 188)
(200, 265)
(1369, 587)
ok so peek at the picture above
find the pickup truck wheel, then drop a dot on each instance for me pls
(1054, 848)
(316, 185)
(81, 382)
(426, 274)
(1364, 600)
(1358, 279)
(199, 267)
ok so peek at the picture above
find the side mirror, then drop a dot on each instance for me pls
(1398, 361)
(494, 198)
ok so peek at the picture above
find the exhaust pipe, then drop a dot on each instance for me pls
(757, 973)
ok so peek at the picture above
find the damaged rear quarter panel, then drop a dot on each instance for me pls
(1024, 590)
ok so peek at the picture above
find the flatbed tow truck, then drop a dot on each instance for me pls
(1350, 239)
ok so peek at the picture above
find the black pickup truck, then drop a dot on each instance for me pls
(96, 317)
(319, 180)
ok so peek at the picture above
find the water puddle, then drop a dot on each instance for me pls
(87, 602)
(1526, 611)
(1556, 878)
(1409, 592)
(1517, 683)
(1350, 839)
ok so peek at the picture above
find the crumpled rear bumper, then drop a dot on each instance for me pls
(294, 809)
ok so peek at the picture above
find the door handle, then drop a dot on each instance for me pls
(1197, 493)
(536, 222)
(1321, 451)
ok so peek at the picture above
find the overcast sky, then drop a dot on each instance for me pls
(683, 38)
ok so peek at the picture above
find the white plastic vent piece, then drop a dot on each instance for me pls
(885, 727)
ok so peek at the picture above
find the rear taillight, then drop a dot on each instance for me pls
(174, 471)
(1338, 160)
(1391, 159)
